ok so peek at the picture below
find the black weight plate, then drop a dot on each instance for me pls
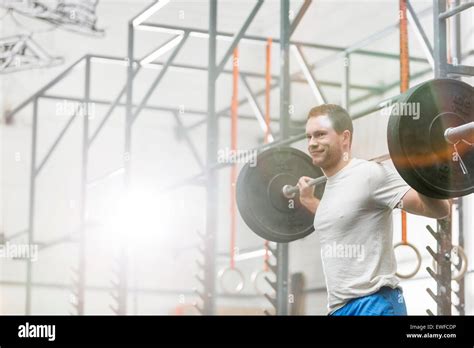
(260, 200)
(424, 159)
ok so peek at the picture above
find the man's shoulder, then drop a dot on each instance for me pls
(367, 164)
(371, 168)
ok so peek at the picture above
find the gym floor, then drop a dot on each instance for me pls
(118, 187)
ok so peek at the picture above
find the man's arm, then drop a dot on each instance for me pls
(310, 204)
(307, 198)
(415, 203)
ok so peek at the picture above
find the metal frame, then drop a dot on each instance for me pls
(282, 251)
(210, 236)
(443, 235)
(208, 175)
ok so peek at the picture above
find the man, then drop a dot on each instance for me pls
(355, 214)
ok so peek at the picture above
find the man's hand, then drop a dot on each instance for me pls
(307, 198)
(415, 203)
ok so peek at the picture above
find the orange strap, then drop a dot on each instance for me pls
(404, 56)
(268, 81)
(404, 79)
(233, 145)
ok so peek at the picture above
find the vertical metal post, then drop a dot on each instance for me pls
(444, 267)
(455, 36)
(462, 286)
(83, 208)
(439, 49)
(456, 58)
(32, 198)
(444, 226)
(211, 174)
(282, 256)
(123, 257)
(284, 69)
(129, 108)
(346, 83)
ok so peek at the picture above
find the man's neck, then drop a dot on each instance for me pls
(328, 172)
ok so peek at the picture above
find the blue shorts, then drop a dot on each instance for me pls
(386, 301)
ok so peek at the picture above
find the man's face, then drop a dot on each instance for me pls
(324, 144)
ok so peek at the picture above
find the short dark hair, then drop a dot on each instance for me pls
(339, 117)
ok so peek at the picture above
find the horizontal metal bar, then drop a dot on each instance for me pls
(397, 83)
(456, 10)
(356, 47)
(226, 110)
(178, 67)
(390, 86)
(460, 70)
(150, 107)
(196, 32)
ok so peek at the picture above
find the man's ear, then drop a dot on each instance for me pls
(347, 135)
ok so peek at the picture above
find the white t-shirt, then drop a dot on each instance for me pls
(354, 224)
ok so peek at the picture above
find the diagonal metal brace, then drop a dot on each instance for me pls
(238, 36)
(271, 299)
(433, 233)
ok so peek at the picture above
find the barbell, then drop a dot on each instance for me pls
(432, 150)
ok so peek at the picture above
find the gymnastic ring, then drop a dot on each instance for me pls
(460, 251)
(256, 276)
(418, 257)
(240, 284)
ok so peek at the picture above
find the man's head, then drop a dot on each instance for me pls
(329, 132)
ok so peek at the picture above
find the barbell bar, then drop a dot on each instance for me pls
(453, 135)
(290, 191)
